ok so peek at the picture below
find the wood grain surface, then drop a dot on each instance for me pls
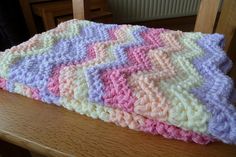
(54, 131)
(206, 16)
(80, 9)
(227, 22)
(51, 10)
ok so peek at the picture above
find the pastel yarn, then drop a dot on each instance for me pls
(159, 81)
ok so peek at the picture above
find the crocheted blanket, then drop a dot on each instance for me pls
(159, 81)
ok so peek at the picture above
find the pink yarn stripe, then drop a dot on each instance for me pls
(35, 93)
(172, 132)
(117, 93)
(3, 83)
(116, 90)
(53, 83)
(151, 37)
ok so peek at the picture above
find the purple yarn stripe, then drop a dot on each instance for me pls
(93, 74)
(217, 88)
(35, 70)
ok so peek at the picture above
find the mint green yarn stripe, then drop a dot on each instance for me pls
(185, 111)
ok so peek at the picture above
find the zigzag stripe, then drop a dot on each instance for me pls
(64, 51)
(104, 54)
(151, 101)
(39, 44)
(216, 88)
(119, 92)
(130, 75)
(116, 89)
(92, 74)
(95, 55)
(70, 73)
(186, 111)
(125, 119)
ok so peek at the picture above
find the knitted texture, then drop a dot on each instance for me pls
(153, 80)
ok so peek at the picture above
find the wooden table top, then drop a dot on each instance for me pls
(54, 131)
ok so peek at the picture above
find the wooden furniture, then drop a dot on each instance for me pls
(206, 19)
(29, 20)
(53, 12)
(28, 15)
(227, 21)
(10, 150)
(55, 131)
(50, 10)
(90, 9)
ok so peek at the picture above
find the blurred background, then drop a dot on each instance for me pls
(21, 19)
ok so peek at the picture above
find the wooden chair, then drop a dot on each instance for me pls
(54, 131)
(206, 19)
(54, 12)
(29, 20)
(51, 10)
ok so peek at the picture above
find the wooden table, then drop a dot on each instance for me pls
(54, 131)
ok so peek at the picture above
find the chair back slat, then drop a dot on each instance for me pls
(227, 21)
(207, 15)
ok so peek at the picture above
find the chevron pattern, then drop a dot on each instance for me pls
(159, 81)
